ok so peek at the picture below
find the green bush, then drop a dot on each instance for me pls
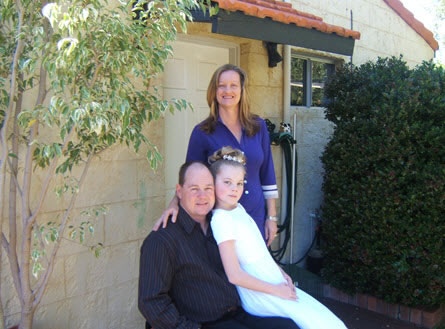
(384, 209)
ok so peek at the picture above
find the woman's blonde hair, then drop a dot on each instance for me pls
(226, 155)
(248, 120)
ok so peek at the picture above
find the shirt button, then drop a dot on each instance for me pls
(246, 192)
(245, 181)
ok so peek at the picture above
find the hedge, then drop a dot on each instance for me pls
(384, 207)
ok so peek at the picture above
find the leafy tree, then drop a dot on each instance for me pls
(384, 188)
(74, 81)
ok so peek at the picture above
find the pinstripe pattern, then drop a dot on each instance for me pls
(181, 277)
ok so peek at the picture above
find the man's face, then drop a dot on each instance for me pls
(197, 195)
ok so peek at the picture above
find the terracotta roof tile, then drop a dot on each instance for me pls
(417, 26)
(283, 12)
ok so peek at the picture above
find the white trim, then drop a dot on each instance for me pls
(269, 187)
(270, 195)
(319, 56)
(234, 48)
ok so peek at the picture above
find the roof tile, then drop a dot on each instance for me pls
(283, 12)
(416, 25)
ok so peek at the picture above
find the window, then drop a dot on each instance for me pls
(307, 80)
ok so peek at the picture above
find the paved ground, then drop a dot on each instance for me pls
(353, 316)
(358, 318)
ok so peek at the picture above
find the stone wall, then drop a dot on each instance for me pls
(383, 32)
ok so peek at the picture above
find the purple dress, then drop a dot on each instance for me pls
(260, 183)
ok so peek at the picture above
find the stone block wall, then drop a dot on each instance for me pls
(383, 32)
(85, 291)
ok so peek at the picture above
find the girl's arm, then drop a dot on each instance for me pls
(239, 277)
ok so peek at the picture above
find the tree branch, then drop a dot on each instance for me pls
(49, 176)
(15, 179)
(5, 244)
(27, 174)
(4, 128)
(13, 186)
(39, 236)
(41, 286)
(6, 124)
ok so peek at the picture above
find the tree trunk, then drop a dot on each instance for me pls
(2, 316)
(26, 319)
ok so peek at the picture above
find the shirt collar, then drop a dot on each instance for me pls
(219, 120)
(188, 223)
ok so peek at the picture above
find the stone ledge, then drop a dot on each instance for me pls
(428, 318)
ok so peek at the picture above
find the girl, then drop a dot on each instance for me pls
(264, 289)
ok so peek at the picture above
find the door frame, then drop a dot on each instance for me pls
(234, 48)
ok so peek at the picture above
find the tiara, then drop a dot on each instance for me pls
(232, 158)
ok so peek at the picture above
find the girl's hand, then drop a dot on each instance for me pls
(288, 279)
(172, 211)
(283, 290)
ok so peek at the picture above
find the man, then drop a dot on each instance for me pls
(182, 283)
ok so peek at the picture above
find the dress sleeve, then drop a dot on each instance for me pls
(223, 227)
(197, 150)
(155, 276)
(267, 171)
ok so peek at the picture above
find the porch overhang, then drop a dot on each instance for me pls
(276, 21)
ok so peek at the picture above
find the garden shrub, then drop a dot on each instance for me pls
(384, 213)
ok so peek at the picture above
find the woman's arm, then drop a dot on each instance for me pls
(270, 226)
(172, 210)
(239, 277)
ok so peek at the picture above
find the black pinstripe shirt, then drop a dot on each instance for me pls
(181, 278)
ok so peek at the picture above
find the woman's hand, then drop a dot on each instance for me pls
(283, 290)
(172, 211)
(271, 229)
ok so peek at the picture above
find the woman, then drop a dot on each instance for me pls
(263, 287)
(231, 123)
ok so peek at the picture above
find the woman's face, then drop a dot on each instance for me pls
(229, 185)
(228, 93)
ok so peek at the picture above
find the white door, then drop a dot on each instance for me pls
(187, 76)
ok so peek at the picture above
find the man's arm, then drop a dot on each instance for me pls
(155, 276)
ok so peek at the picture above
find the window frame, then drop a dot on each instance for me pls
(308, 75)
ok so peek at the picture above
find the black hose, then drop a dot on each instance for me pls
(285, 140)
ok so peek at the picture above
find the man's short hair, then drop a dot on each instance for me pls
(184, 168)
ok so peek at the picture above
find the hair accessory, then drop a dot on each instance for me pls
(232, 158)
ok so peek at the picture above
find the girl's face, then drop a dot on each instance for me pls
(229, 185)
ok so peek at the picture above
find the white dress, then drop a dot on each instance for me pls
(255, 259)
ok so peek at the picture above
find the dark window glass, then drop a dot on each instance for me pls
(318, 73)
(296, 74)
(296, 96)
(297, 66)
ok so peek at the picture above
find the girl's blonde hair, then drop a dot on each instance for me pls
(248, 120)
(226, 155)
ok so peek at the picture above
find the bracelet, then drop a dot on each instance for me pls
(272, 218)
